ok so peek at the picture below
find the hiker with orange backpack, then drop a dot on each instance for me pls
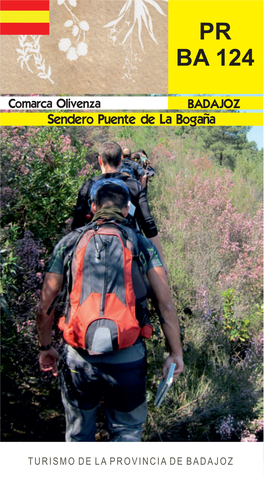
(101, 270)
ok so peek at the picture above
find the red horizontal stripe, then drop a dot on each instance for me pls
(22, 5)
(24, 28)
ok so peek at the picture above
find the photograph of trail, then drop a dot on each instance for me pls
(207, 201)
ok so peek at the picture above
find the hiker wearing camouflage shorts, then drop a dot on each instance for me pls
(119, 374)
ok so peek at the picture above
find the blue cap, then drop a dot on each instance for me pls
(101, 182)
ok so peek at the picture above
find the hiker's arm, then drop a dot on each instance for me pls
(148, 225)
(158, 283)
(144, 180)
(142, 213)
(156, 241)
(51, 286)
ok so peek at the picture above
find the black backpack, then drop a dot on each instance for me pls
(127, 168)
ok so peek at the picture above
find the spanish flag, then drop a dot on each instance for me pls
(24, 17)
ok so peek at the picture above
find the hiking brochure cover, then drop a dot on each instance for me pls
(182, 79)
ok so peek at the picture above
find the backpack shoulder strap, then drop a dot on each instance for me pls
(142, 247)
(134, 236)
(71, 246)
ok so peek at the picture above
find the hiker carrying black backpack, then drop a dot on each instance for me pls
(110, 157)
(129, 167)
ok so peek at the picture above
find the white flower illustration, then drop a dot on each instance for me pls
(64, 44)
(30, 49)
(126, 28)
(132, 16)
(84, 26)
(77, 46)
(82, 49)
(73, 3)
(71, 54)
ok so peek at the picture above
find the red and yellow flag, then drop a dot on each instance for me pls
(24, 17)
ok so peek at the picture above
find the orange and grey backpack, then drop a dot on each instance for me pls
(106, 298)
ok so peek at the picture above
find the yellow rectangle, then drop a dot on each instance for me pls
(24, 17)
(215, 47)
(215, 102)
(133, 119)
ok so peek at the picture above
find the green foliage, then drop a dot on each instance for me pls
(147, 137)
(214, 385)
(8, 266)
(248, 180)
(224, 142)
(211, 231)
(236, 330)
(42, 169)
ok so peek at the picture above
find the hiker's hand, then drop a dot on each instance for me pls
(179, 366)
(48, 361)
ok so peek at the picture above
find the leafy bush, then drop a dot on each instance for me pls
(41, 177)
(208, 243)
(19, 323)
